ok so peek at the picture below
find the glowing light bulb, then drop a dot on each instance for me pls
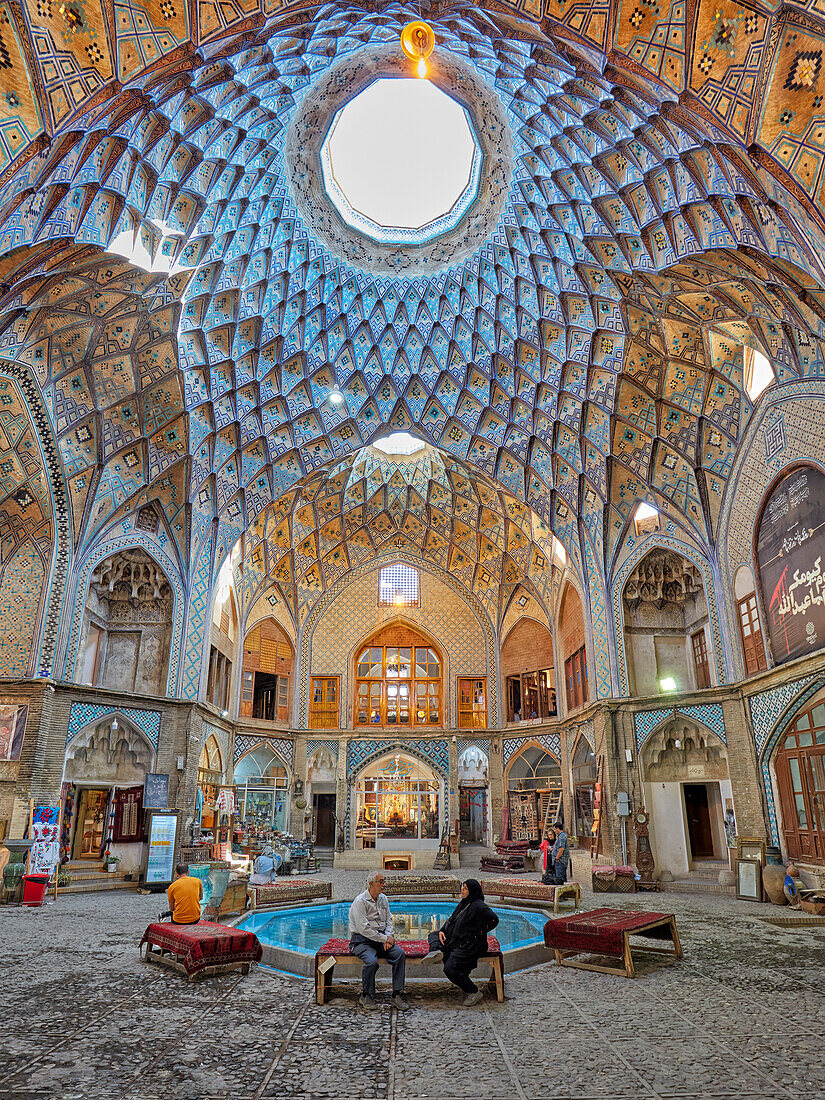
(421, 67)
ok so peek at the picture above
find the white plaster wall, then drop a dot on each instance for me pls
(668, 834)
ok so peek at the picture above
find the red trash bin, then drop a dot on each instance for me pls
(34, 889)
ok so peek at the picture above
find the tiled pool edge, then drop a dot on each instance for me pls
(303, 965)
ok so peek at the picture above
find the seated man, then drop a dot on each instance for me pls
(184, 895)
(557, 858)
(371, 938)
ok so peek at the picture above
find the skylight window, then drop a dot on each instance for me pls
(646, 519)
(758, 373)
(399, 443)
(401, 162)
(398, 586)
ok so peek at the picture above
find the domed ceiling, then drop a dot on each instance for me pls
(650, 206)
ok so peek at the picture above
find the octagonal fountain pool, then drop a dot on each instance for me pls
(290, 937)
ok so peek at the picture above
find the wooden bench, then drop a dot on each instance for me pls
(336, 950)
(200, 950)
(399, 885)
(525, 889)
(282, 893)
(608, 932)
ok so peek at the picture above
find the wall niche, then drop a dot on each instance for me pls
(127, 630)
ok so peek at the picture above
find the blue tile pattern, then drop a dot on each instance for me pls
(83, 714)
(512, 746)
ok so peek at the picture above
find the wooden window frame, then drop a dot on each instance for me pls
(701, 667)
(370, 682)
(316, 712)
(470, 716)
(758, 656)
(575, 679)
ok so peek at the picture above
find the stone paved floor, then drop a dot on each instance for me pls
(82, 1018)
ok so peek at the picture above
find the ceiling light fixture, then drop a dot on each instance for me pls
(418, 42)
(335, 396)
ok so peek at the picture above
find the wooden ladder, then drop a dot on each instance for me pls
(598, 810)
(551, 804)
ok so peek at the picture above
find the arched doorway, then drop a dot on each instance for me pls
(261, 793)
(398, 680)
(473, 799)
(687, 792)
(104, 773)
(398, 804)
(799, 766)
(534, 792)
(210, 778)
(584, 775)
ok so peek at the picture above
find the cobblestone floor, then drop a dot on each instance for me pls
(82, 1018)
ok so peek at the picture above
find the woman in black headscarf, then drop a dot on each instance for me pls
(463, 939)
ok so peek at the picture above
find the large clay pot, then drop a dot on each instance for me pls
(773, 880)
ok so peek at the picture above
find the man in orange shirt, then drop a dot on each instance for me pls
(184, 896)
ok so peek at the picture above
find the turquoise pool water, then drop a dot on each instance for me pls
(308, 928)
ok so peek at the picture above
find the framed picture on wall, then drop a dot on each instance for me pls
(749, 880)
(751, 847)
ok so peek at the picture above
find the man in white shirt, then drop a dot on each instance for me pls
(371, 938)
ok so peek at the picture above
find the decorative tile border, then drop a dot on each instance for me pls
(84, 714)
(709, 715)
(281, 746)
(482, 743)
(512, 746)
(360, 753)
(331, 745)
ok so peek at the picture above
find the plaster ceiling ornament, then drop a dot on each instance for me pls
(584, 354)
(662, 577)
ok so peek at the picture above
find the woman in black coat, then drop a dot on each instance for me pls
(463, 939)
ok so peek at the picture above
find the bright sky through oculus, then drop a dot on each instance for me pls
(401, 152)
(398, 443)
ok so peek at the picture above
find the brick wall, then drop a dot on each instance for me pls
(571, 623)
(527, 648)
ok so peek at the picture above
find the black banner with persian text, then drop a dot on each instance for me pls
(790, 550)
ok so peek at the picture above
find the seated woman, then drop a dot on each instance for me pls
(264, 867)
(463, 939)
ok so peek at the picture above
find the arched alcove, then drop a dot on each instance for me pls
(127, 630)
(473, 794)
(262, 791)
(398, 803)
(527, 669)
(666, 625)
(210, 778)
(687, 793)
(573, 648)
(584, 774)
(398, 678)
(266, 677)
(533, 782)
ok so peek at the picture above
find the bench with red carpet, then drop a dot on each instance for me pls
(337, 950)
(607, 932)
(200, 950)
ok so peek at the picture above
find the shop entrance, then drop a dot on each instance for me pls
(324, 807)
(472, 802)
(91, 819)
(697, 810)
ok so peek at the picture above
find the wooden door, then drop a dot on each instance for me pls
(324, 820)
(91, 814)
(698, 819)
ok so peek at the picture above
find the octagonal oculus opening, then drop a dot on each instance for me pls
(401, 162)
